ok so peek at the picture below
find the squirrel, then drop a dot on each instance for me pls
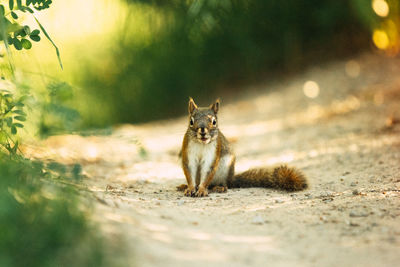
(208, 160)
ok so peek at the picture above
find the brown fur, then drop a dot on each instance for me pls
(216, 188)
(282, 177)
(190, 190)
(181, 187)
(219, 189)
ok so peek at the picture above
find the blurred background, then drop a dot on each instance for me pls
(133, 61)
(136, 61)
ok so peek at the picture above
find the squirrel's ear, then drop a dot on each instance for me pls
(215, 106)
(192, 105)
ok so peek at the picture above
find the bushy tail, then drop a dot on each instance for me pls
(282, 177)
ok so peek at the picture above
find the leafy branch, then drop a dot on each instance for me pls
(12, 117)
(18, 35)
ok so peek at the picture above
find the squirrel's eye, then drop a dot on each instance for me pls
(214, 121)
(191, 121)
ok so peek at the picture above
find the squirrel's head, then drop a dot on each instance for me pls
(203, 122)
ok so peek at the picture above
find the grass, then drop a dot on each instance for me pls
(42, 222)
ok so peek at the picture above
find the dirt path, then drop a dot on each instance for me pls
(347, 141)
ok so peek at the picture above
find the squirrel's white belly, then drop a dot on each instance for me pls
(224, 166)
(201, 156)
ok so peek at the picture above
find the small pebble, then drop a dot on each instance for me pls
(351, 223)
(353, 184)
(181, 202)
(326, 194)
(257, 220)
(356, 192)
(279, 201)
(357, 214)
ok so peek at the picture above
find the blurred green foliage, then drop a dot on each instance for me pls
(55, 113)
(13, 33)
(43, 223)
(200, 48)
(43, 220)
(12, 118)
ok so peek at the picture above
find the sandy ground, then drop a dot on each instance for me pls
(346, 141)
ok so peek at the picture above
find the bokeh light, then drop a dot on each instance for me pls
(352, 68)
(380, 7)
(379, 98)
(311, 89)
(381, 39)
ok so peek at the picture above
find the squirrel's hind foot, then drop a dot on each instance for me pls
(219, 189)
(181, 187)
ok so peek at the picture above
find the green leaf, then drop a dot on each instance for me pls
(17, 44)
(13, 130)
(19, 112)
(14, 15)
(2, 10)
(21, 33)
(11, 4)
(35, 38)
(48, 37)
(35, 32)
(28, 2)
(9, 122)
(29, 9)
(20, 118)
(23, 98)
(26, 44)
(27, 30)
(19, 125)
(19, 4)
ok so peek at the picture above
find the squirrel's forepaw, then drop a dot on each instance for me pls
(189, 192)
(202, 192)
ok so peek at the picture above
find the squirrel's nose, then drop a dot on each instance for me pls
(203, 130)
